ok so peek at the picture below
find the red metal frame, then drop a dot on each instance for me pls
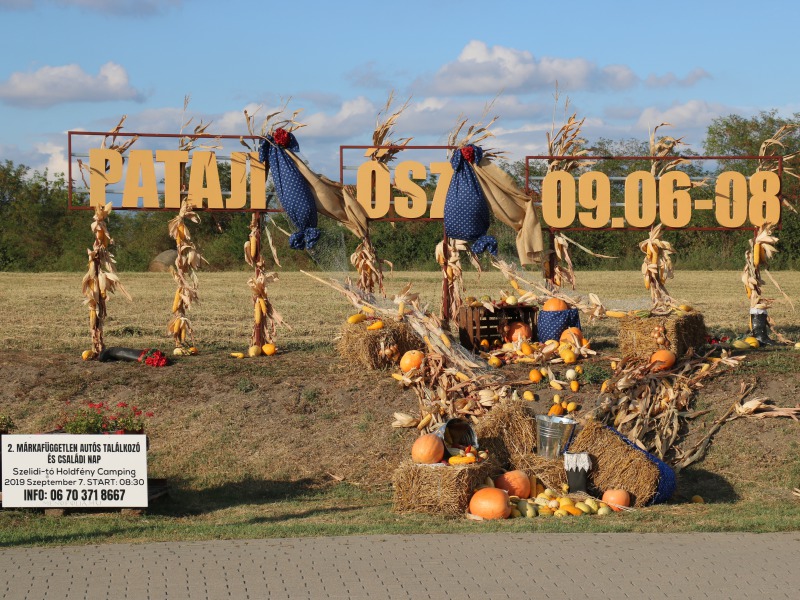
(528, 160)
(129, 134)
(389, 219)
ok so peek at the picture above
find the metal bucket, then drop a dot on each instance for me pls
(553, 435)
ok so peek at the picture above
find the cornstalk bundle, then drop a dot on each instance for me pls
(188, 259)
(656, 269)
(100, 280)
(761, 250)
(265, 317)
(449, 258)
(365, 258)
(649, 406)
(567, 145)
(788, 161)
(185, 275)
(101, 277)
(445, 392)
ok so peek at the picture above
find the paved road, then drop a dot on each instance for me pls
(489, 567)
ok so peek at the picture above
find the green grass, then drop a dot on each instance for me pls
(289, 509)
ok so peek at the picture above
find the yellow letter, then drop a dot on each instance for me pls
(140, 166)
(419, 201)
(373, 179)
(204, 169)
(258, 183)
(238, 180)
(105, 167)
(445, 171)
(172, 160)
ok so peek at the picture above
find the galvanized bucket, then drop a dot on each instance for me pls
(552, 435)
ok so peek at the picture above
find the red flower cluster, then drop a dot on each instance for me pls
(281, 137)
(468, 152)
(99, 417)
(154, 358)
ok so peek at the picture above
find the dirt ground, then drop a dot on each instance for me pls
(305, 415)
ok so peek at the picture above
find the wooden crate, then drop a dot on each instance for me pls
(476, 323)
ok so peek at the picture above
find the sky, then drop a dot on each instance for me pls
(625, 66)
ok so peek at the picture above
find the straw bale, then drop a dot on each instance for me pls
(682, 331)
(547, 470)
(615, 465)
(507, 431)
(358, 345)
(438, 489)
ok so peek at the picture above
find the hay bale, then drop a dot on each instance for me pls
(549, 471)
(616, 465)
(507, 431)
(682, 331)
(359, 345)
(163, 262)
(438, 489)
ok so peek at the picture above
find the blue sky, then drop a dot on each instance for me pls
(626, 66)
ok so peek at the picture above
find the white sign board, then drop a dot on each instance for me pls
(74, 471)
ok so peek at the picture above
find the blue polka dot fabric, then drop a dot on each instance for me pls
(551, 324)
(293, 191)
(466, 212)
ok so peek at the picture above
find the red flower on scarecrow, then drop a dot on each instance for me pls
(468, 152)
(281, 137)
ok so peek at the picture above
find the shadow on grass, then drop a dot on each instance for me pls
(711, 486)
(184, 501)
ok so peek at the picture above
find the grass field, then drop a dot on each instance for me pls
(300, 444)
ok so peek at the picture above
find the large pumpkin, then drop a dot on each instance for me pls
(428, 449)
(554, 304)
(665, 359)
(618, 498)
(411, 360)
(516, 483)
(517, 330)
(490, 503)
(566, 335)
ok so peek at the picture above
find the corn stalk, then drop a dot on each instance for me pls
(365, 259)
(651, 407)
(773, 146)
(564, 146)
(265, 317)
(185, 275)
(656, 269)
(449, 259)
(757, 257)
(100, 279)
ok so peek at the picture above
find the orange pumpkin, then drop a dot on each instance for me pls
(554, 304)
(566, 335)
(517, 331)
(616, 497)
(556, 410)
(411, 360)
(665, 359)
(428, 449)
(516, 483)
(490, 503)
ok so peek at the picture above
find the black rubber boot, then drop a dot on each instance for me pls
(761, 329)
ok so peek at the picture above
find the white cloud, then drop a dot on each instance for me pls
(691, 114)
(670, 79)
(50, 86)
(481, 70)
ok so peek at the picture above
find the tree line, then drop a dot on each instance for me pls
(38, 233)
